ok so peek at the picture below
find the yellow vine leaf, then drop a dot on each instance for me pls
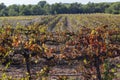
(113, 70)
(93, 32)
(118, 65)
(85, 61)
(36, 61)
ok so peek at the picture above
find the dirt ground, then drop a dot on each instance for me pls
(19, 70)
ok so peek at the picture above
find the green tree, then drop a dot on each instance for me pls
(47, 8)
(114, 8)
(37, 10)
(2, 6)
(42, 3)
(75, 8)
(3, 12)
(25, 10)
(43, 8)
(13, 10)
(58, 8)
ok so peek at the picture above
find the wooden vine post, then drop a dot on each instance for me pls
(97, 65)
(26, 56)
(98, 47)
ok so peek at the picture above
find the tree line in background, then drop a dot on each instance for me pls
(43, 8)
